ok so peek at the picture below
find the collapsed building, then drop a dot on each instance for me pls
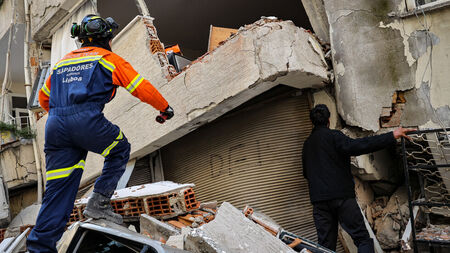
(242, 107)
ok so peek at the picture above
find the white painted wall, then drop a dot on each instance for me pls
(62, 43)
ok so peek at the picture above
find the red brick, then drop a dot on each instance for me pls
(189, 200)
(158, 205)
(132, 207)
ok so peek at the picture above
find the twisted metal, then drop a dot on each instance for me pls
(428, 154)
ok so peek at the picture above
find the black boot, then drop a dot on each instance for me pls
(99, 207)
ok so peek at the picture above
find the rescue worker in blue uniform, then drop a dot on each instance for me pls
(74, 96)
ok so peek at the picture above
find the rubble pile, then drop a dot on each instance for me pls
(388, 218)
(435, 233)
(170, 214)
(224, 229)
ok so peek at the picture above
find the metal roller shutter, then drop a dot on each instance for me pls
(141, 172)
(250, 157)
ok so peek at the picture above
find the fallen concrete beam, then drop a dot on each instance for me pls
(231, 231)
(259, 57)
(156, 229)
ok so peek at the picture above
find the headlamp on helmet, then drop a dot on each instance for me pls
(94, 27)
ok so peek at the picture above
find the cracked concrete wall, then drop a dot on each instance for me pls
(41, 12)
(257, 58)
(375, 55)
(427, 104)
(46, 15)
(18, 166)
(368, 58)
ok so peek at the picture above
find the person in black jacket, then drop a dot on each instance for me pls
(326, 166)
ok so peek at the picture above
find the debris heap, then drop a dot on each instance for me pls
(162, 200)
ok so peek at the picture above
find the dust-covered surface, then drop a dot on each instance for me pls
(143, 190)
(231, 231)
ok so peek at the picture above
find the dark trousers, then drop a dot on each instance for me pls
(327, 214)
(68, 138)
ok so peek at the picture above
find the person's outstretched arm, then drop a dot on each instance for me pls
(355, 147)
(123, 74)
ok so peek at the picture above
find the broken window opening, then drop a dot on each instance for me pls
(44, 72)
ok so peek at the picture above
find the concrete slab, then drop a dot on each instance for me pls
(231, 231)
(156, 229)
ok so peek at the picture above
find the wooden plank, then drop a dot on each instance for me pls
(217, 35)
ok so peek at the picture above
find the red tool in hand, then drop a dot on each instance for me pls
(166, 115)
(161, 118)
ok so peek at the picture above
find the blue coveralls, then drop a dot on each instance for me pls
(80, 86)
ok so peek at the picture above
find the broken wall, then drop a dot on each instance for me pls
(18, 166)
(44, 14)
(375, 55)
(427, 104)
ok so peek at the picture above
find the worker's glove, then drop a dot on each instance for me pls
(165, 115)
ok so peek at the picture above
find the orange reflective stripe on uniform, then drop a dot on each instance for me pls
(134, 83)
(64, 172)
(108, 149)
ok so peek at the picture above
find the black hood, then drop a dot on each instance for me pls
(98, 43)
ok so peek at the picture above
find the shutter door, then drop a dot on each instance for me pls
(141, 173)
(252, 156)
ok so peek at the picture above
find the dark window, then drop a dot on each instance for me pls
(422, 2)
(43, 73)
(19, 102)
